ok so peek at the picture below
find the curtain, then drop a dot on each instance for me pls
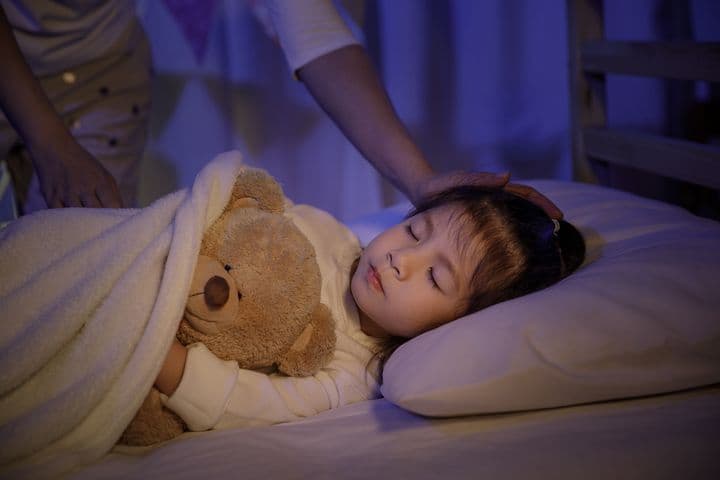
(482, 85)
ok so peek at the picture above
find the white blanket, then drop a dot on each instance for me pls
(89, 301)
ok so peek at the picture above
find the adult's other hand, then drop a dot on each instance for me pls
(70, 177)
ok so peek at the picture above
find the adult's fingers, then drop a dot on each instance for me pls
(490, 179)
(54, 202)
(537, 198)
(480, 179)
(89, 200)
(443, 181)
(72, 201)
(109, 197)
(52, 197)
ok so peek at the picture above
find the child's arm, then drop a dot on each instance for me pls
(214, 393)
(172, 370)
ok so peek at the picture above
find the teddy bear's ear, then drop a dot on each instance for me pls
(258, 185)
(314, 348)
(253, 187)
(245, 202)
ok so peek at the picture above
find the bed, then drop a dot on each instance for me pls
(612, 373)
(584, 379)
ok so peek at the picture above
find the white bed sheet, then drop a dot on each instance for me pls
(669, 436)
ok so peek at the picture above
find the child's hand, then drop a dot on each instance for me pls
(172, 370)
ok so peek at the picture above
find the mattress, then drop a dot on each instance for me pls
(666, 436)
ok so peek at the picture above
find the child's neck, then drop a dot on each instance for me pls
(369, 327)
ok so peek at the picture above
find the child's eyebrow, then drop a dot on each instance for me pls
(430, 227)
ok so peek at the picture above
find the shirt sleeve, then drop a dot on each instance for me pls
(308, 29)
(202, 395)
(217, 394)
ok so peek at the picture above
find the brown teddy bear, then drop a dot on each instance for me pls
(254, 298)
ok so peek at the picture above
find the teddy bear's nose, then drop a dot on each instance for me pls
(216, 291)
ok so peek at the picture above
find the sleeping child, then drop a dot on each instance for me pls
(91, 300)
(458, 252)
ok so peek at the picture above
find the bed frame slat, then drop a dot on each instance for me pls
(689, 161)
(684, 61)
(683, 172)
(587, 91)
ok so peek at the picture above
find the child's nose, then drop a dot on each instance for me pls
(405, 262)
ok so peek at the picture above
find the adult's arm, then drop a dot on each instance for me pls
(69, 176)
(345, 84)
(323, 53)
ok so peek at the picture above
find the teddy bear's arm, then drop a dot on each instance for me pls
(313, 349)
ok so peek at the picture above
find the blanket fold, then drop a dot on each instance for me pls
(90, 300)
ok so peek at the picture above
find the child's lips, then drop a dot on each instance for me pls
(373, 279)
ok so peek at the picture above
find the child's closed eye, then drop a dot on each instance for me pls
(431, 277)
(409, 230)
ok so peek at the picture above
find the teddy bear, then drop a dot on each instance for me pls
(254, 298)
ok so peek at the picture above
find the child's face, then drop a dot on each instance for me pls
(411, 277)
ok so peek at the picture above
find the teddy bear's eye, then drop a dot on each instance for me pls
(227, 267)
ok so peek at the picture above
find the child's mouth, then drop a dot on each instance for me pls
(373, 279)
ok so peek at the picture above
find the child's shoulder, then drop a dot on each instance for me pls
(323, 230)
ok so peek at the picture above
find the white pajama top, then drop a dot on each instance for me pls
(217, 394)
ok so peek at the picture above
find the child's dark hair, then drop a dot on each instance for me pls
(521, 251)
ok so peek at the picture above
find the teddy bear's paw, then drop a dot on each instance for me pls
(314, 348)
(153, 423)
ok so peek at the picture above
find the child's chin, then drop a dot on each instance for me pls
(354, 288)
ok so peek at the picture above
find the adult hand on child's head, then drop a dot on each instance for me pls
(71, 177)
(532, 195)
(442, 181)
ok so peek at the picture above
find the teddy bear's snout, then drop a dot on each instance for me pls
(216, 292)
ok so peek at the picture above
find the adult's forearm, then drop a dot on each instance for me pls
(346, 85)
(22, 98)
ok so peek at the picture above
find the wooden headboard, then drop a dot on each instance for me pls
(688, 168)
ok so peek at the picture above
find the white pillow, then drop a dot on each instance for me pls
(640, 317)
